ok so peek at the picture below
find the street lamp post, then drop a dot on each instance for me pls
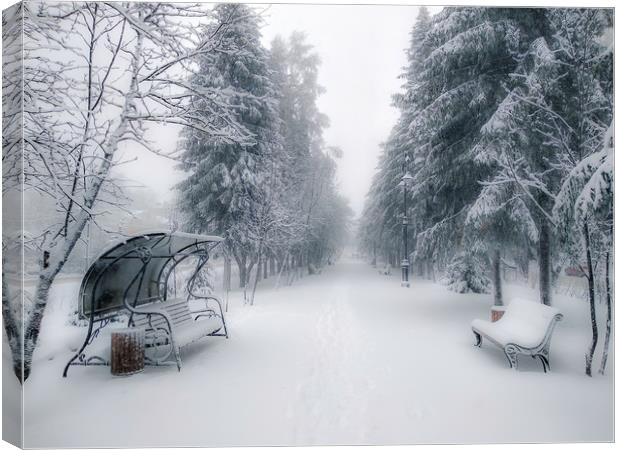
(405, 262)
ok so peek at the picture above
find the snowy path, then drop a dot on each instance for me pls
(346, 357)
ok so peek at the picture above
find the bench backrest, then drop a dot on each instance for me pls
(177, 310)
(534, 312)
(532, 317)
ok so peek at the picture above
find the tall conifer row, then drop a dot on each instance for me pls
(310, 180)
(227, 182)
(555, 114)
(274, 198)
(380, 228)
(500, 106)
(472, 53)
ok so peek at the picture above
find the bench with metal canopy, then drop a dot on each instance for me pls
(135, 283)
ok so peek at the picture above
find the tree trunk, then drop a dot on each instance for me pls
(544, 262)
(259, 268)
(272, 266)
(265, 269)
(280, 268)
(31, 334)
(608, 322)
(431, 270)
(590, 354)
(227, 273)
(12, 329)
(242, 272)
(251, 265)
(292, 266)
(497, 278)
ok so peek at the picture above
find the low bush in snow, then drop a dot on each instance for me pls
(467, 273)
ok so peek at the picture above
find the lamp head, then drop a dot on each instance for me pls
(407, 178)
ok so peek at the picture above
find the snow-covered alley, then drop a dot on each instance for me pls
(344, 357)
(157, 154)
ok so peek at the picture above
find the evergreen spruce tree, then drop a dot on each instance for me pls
(226, 181)
(310, 178)
(458, 63)
(473, 51)
(554, 114)
(381, 225)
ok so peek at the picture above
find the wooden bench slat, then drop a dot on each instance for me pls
(178, 308)
(184, 328)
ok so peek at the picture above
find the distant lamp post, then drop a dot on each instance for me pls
(405, 182)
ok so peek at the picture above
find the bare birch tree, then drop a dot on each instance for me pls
(98, 77)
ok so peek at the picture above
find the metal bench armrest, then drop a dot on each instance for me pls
(153, 312)
(218, 301)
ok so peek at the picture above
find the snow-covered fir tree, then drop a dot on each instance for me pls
(483, 112)
(275, 198)
(458, 64)
(310, 180)
(227, 181)
(381, 224)
(554, 106)
(555, 117)
(506, 113)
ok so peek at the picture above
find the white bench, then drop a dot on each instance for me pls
(172, 325)
(526, 327)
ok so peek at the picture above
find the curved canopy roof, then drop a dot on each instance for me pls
(137, 268)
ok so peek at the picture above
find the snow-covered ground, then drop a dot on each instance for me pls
(345, 357)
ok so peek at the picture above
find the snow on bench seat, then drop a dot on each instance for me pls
(202, 327)
(174, 325)
(526, 327)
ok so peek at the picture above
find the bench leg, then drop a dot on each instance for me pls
(177, 355)
(511, 354)
(478, 339)
(219, 303)
(545, 362)
(91, 335)
(223, 322)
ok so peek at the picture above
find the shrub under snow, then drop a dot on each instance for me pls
(467, 273)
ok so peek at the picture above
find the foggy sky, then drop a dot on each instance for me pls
(362, 49)
(362, 53)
